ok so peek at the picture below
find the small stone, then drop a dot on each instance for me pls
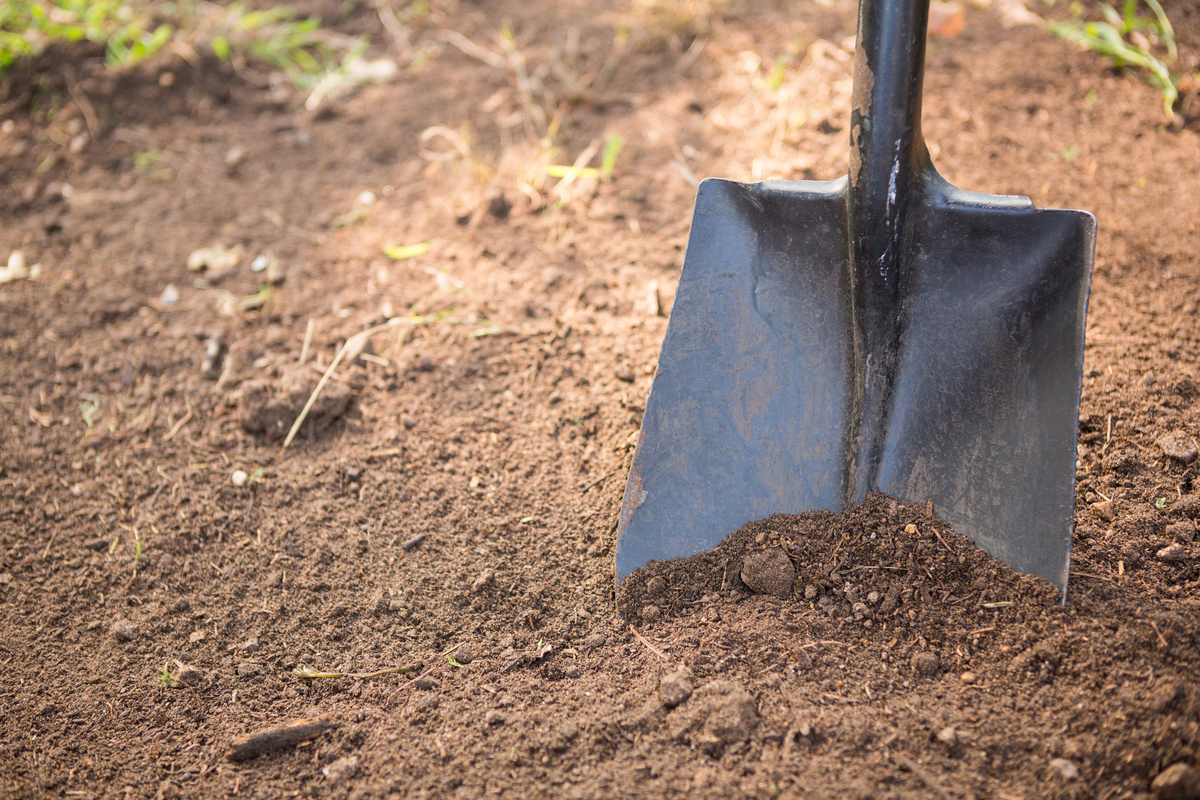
(910, 529)
(1178, 446)
(873, 598)
(239, 478)
(1065, 768)
(248, 669)
(189, 675)
(1176, 782)
(341, 770)
(1173, 553)
(182, 604)
(494, 717)
(169, 296)
(465, 654)
(656, 586)
(675, 687)
(769, 572)
(408, 422)
(1182, 531)
(811, 591)
(123, 630)
(925, 664)
(967, 678)
(196, 636)
(573, 672)
(1104, 510)
(250, 645)
(948, 736)
(429, 702)
(276, 273)
(624, 373)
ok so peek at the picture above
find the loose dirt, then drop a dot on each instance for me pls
(440, 533)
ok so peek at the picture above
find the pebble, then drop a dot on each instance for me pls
(250, 645)
(123, 630)
(1065, 768)
(341, 770)
(1178, 446)
(948, 736)
(239, 478)
(1173, 553)
(624, 373)
(656, 586)
(573, 672)
(925, 664)
(769, 572)
(408, 422)
(169, 296)
(494, 717)
(1104, 510)
(465, 654)
(675, 687)
(967, 678)
(1176, 782)
(429, 702)
(189, 675)
(485, 581)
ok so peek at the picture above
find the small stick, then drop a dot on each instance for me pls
(354, 341)
(1161, 638)
(305, 673)
(943, 541)
(649, 646)
(183, 421)
(413, 542)
(289, 734)
(307, 340)
(601, 479)
(982, 630)
(925, 777)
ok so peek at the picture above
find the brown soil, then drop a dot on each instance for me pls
(449, 509)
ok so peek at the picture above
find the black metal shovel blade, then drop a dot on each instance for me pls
(754, 409)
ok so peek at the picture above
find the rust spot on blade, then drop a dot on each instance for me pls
(864, 83)
(635, 495)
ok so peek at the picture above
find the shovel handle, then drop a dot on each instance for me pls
(889, 172)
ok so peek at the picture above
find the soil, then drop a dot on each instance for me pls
(440, 532)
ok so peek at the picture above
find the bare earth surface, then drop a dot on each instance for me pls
(448, 510)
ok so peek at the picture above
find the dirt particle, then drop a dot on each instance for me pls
(1124, 462)
(494, 718)
(1176, 782)
(341, 770)
(239, 478)
(1188, 506)
(675, 687)
(123, 630)
(769, 572)
(719, 714)
(1178, 446)
(656, 586)
(188, 675)
(485, 582)
(967, 678)
(1182, 531)
(925, 664)
(650, 613)
(1065, 768)
(948, 736)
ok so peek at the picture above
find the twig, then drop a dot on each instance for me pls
(943, 541)
(473, 50)
(649, 646)
(183, 421)
(354, 341)
(1161, 638)
(289, 734)
(307, 340)
(925, 777)
(413, 542)
(307, 674)
(982, 630)
(85, 105)
(601, 479)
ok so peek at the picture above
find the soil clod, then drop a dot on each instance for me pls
(1177, 782)
(675, 687)
(769, 572)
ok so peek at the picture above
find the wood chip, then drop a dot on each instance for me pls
(290, 734)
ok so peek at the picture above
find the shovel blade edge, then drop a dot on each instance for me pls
(752, 411)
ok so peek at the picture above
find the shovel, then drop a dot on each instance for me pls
(885, 331)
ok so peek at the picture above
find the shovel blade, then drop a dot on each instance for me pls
(754, 408)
